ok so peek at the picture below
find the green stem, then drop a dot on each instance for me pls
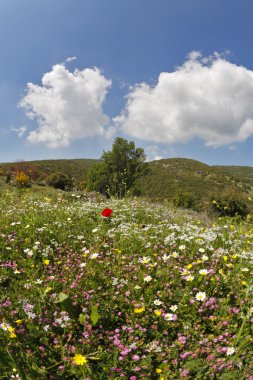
(54, 365)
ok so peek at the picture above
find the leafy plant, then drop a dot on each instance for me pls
(119, 170)
(59, 180)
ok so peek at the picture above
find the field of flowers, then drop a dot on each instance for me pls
(142, 292)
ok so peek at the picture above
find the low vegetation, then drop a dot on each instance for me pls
(143, 292)
(122, 172)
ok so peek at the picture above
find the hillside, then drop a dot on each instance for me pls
(164, 179)
(77, 168)
(241, 173)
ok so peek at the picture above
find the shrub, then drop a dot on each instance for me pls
(22, 179)
(59, 180)
(187, 200)
(230, 205)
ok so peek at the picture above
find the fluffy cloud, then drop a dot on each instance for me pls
(209, 98)
(67, 106)
(154, 152)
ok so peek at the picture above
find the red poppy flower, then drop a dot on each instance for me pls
(107, 212)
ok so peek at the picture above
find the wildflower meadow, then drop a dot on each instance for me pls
(97, 290)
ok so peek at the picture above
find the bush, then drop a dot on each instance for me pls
(187, 200)
(59, 180)
(22, 179)
(230, 205)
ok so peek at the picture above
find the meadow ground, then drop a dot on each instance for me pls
(146, 293)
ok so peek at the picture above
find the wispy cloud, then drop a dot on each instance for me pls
(67, 106)
(20, 131)
(70, 59)
(207, 97)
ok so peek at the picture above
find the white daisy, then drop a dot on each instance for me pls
(169, 317)
(204, 272)
(200, 296)
(230, 351)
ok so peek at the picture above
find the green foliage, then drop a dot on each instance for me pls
(59, 180)
(230, 205)
(120, 169)
(187, 200)
(98, 179)
(94, 315)
(191, 184)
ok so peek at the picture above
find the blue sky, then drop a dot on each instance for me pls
(174, 76)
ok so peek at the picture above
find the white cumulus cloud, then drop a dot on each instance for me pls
(207, 97)
(67, 106)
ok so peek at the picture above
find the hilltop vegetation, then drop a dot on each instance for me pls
(191, 184)
(75, 169)
(185, 183)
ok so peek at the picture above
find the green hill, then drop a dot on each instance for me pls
(165, 178)
(186, 182)
(77, 168)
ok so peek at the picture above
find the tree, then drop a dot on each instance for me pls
(118, 170)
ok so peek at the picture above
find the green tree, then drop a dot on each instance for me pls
(118, 170)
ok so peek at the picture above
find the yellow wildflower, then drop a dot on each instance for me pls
(138, 310)
(158, 312)
(79, 359)
(158, 370)
(46, 262)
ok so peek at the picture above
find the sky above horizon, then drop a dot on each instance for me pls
(174, 76)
